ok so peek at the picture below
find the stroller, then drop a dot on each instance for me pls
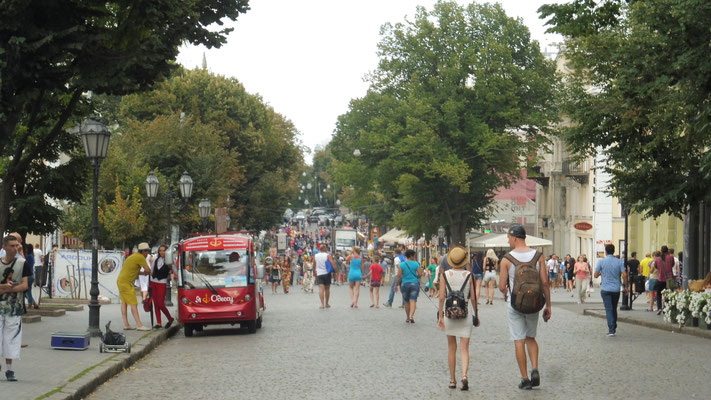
(114, 342)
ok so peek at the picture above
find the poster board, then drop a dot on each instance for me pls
(69, 275)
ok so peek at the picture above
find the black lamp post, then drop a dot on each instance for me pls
(204, 208)
(440, 234)
(96, 139)
(186, 190)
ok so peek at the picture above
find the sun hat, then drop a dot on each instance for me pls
(458, 257)
(143, 246)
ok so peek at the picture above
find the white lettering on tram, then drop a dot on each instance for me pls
(215, 298)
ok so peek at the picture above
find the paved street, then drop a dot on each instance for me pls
(367, 353)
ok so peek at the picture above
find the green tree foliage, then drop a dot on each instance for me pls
(264, 143)
(639, 90)
(461, 95)
(51, 54)
(169, 146)
(124, 219)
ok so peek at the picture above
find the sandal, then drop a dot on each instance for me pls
(452, 384)
(465, 383)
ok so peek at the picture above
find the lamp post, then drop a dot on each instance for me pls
(96, 139)
(204, 208)
(186, 190)
(440, 235)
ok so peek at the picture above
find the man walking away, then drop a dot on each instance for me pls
(393, 288)
(633, 271)
(522, 326)
(323, 277)
(611, 268)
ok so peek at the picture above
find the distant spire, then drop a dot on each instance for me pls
(204, 61)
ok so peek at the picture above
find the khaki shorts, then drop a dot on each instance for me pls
(127, 293)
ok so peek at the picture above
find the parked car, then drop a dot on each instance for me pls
(300, 216)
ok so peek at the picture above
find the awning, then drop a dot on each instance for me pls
(501, 241)
(395, 236)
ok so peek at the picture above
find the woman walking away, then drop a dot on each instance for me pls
(376, 278)
(478, 272)
(664, 264)
(30, 263)
(159, 281)
(286, 273)
(653, 279)
(409, 273)
(355, 275)
(453, 319)
(491, 265)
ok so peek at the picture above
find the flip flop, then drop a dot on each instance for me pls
(129, 328)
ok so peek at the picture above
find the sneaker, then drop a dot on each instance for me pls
(169, 324)
(129, 328)
(610, 334)
(535, 378)
(157, 326)
(388, 305)
(10, 375)
(525, 384)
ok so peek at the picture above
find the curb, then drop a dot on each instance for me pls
(698, 332)
(81, 386)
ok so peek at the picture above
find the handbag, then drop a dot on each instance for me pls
(329, 267)
(671, 284)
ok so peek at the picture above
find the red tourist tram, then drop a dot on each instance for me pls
(219, 282)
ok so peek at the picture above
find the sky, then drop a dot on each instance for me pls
(307, 59)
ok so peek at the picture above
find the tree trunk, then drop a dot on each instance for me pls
(5, 199)
(458, 233)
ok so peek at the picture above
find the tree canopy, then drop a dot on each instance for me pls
(51, 55)
(461, 97)
(639, 89)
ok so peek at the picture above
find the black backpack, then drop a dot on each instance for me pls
(455, 304)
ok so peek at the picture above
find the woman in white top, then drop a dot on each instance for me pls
(457, 258)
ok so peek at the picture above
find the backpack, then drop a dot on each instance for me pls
(455, 304)
(527, 291)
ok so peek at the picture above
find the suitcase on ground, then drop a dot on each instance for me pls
(70, 341)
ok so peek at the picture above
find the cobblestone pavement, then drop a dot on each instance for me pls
(345, 353)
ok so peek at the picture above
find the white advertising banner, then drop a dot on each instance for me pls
(73, 280)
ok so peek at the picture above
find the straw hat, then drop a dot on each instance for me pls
(143, 246)
(458, 257)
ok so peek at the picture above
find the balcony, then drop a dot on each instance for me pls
(535, 174)
(576, 170)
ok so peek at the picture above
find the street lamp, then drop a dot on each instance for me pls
(440, 234)
(338, 202)
(356, 153)
(204, 208)
(96, 139)
(186, 190)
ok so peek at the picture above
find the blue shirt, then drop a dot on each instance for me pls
(409, 271)
(611, 269)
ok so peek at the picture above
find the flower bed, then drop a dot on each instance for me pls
(681, 306)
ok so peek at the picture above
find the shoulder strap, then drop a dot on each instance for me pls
(444, 275)
(466, 280)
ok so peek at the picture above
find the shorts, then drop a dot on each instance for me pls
(552, 276)
(479, 276)
(522, 325)
(375, 283)
(324, 280)
(127, 293)
(489, 276)
(410, 290)
(11, 336)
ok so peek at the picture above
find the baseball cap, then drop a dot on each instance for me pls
(517, 231)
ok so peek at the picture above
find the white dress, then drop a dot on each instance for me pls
(458, 327)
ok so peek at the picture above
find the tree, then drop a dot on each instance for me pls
(640, 91)
(460, 97)
(265, 143)
(53, 53)
(124, 220)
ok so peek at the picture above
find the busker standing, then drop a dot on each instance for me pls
(453, 318)
(611, 268)
(517, 267)
(15, 275)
